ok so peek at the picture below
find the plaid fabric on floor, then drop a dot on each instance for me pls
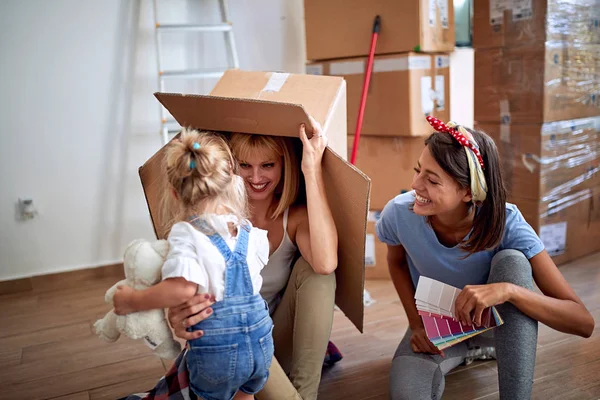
(332, 355)
(173, 386)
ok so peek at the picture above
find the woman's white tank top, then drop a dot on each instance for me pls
(277, 271)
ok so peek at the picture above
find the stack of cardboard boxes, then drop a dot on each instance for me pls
(537, 93)
(410, 80)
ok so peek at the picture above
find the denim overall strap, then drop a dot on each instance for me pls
(220, 244)
(237, 276)
(241, 248)
(216, 239)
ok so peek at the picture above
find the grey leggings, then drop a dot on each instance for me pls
(421, 376)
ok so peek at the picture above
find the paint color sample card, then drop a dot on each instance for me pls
(435, 303)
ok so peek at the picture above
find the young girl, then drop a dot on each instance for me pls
(300, 291)
(213, 250)
(456, 227)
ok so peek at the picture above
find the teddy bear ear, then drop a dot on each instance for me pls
(133, 244)
(161, 247)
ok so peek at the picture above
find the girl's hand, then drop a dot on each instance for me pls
(474, 299)
(420, 343)
(190, 313)
(123, 300)
(313, 148)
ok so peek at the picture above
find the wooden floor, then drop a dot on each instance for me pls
(48, 351)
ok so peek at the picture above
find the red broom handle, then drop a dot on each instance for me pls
(365, 90)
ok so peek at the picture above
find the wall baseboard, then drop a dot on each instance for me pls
(61, 280)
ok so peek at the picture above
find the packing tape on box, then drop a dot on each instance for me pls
(276, 82)
(571, 184)
(427, 95)
(404, 63)
(314, 69)
(562, 202)
(390, 64)
(419, 62)
(525, 159)
(504, 112)
(440, 88)
(432, 13)
(347, 68)
(373, 216)
(370, 260)
(505, 133)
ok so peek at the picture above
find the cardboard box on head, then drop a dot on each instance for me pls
(266, 103)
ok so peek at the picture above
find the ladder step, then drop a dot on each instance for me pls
(193, 73)
(194, 28)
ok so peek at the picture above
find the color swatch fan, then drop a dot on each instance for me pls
(435, 303)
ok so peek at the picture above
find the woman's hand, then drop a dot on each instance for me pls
(476, 298)
(190, 313)
(313, 148)
(420, 343)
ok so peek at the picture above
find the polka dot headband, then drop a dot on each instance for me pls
(459, 136)
(476, 166)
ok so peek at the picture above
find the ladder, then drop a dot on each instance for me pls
(168, 124)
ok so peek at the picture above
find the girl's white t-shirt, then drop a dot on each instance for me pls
(194, 257)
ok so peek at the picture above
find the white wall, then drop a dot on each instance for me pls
(78, 116)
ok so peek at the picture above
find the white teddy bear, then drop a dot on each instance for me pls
(143, 261)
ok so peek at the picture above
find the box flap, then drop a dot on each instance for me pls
(347, 188)
(234, 115)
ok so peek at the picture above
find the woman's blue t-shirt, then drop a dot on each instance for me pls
(398, 225)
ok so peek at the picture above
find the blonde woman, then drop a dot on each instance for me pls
(300, 291)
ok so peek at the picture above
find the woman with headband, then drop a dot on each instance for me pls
(456, 227)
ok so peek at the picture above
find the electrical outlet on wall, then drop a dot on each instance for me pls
(26, 209)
